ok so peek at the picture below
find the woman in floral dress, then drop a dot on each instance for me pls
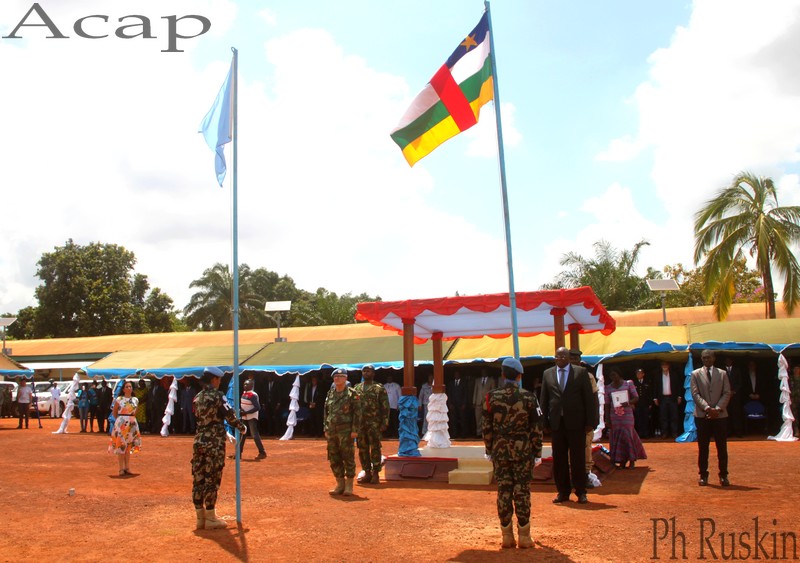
(626, 447)
(125, 437)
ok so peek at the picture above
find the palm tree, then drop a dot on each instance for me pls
(746, 217)
(210, 308)
(610, 274)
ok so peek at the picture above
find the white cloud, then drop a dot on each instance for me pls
(721, 98)
(269, 16)
(711, 108)
(615, 219)
(105, 148)
(620, 150)
(483, 136)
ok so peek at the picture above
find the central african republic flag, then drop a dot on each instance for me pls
(451, 102)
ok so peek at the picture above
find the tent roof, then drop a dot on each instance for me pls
(595, 346)
(302, 357)
(696, 315)
(476, 316)
(114, 343)
(10, 368)
(170, 361)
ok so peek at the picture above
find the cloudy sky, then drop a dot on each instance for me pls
(620, 119)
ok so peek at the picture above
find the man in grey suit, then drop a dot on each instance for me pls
(484, 385)
(711, 392)
(568, 408)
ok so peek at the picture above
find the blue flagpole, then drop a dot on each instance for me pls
(512, 297)
(235, 289)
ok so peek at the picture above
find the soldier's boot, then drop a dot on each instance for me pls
(508, 535)
(201, 518)
(366, 478)
(212, 522)
(348, 487)
(525, 540)
(376, 478)
(339, 488)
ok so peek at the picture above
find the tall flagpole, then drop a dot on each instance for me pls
(235, 289)
(512, 297)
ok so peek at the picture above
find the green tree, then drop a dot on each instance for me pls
(748, 284)
(745, 218)
(211, 307)
(327, 308)
(90, 291)
(23, 327)
(610, 274)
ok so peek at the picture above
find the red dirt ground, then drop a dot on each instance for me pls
(288, 515)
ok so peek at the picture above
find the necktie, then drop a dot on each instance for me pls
(562, 378)
(484, 381)
(708, 373)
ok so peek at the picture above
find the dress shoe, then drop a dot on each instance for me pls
(261, 455)
(582, 499)
(724, 482)
(702, 482)
(560, 498)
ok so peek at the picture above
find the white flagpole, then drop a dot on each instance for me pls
(512, 297)
(235, 289)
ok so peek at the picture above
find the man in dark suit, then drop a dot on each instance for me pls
(669, 400)
(457, 405)
(753, 388)
(568, 408)
(711, 392)
(272, 404)
(641, 413)
(314, 401)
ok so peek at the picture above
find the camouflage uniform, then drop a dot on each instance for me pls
(208, 457)
(512, 438)
(374, 420)
(342, 417)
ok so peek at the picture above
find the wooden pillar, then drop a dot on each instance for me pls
(408, 358)
(574, 336)
(558, 326)
(438, 363)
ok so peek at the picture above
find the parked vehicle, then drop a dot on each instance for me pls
(10, 409)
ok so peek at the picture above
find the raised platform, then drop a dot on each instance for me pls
(467, 465)
(402, 468)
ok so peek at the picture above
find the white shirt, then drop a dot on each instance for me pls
(753, 381)
(425, 393)
(55, 393)
(24, 395)
(666, 387)
(393, 390)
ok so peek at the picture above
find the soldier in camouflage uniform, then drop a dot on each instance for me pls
(208, 456)
(342, 421)
(374, 421)
(512, 439)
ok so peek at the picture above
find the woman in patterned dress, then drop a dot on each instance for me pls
(626, 447)
(125, 437)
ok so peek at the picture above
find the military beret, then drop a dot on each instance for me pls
(514, 364)
(213, 371)
(339, 371)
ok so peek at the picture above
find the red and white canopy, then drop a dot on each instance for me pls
(490, 315)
